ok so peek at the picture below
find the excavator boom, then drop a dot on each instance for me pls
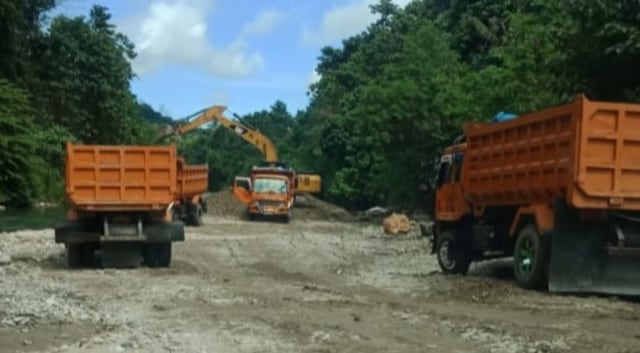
(215, 114)
(303, 183)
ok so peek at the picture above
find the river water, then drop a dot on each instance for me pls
(37, 218)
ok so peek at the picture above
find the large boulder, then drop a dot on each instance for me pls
(396, 224)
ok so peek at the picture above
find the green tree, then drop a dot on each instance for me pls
(17, 147)
(88, 77)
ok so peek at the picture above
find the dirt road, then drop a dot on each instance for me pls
(307, 286)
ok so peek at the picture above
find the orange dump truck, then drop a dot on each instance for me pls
(129, 203)
(269, 191)
(557, 189)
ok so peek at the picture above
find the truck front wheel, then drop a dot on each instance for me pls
(452, 256)
(531, 258)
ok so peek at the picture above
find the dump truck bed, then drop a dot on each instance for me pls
(100, 177)
(192, 179)
(586, 152)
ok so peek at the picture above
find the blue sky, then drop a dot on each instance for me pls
(245, 54)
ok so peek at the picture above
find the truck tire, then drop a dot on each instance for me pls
(531, 259)
(88, 254)
(195, 216)
(74, 255)
(452, 258)
(150, 255)
(164, 254)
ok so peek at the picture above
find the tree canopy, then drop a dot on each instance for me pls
(61, 79)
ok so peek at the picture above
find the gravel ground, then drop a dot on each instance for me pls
(307, 286)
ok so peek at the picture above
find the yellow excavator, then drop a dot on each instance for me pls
(272, 186)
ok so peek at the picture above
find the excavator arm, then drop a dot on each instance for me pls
(215, 114)
(305, 182)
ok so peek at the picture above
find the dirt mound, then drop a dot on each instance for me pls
(223, 204)
(307, 207)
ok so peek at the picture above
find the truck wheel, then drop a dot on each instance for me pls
(164, 254)
(74, 255)
(175, 214)
(195, 217)
(531, 258)
(88, 254)
(452, 258)
(150, 255)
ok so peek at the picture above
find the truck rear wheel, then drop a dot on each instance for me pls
(157, 254)
(452, 257)
(195, 216)
(531, 258)
(149, 255)
(164, 254)
(74, 255)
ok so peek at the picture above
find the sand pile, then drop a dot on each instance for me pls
(307, 207)
(223, 204)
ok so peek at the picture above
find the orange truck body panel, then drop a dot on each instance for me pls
(586, 152)
(193, 180)
(120, 178)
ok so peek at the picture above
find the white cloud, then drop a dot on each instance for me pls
(343, 21)
(263, 24)
(314, 77)
(175, 33)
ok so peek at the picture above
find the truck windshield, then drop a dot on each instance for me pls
(270, 185)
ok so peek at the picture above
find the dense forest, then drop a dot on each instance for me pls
(61, 79)
(389, 99)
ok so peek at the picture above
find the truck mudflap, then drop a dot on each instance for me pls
(585, 260)
(153, 233)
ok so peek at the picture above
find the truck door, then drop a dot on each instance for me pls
(450, 203)
(242, 189)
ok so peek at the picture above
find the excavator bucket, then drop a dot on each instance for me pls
(162, 132)
(241, 189)
(584, 261)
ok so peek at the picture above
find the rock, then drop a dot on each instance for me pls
(2, 208)
(375, 212)
(396, 224)
(5, 259)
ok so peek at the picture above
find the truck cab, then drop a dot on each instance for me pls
(268, 191)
